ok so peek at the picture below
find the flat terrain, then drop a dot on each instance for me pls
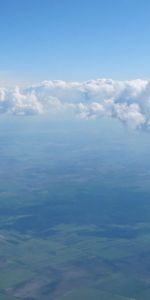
(74, 211)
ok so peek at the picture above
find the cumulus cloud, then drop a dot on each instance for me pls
(128, 101)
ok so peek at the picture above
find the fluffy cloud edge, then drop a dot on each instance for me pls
(127, 101)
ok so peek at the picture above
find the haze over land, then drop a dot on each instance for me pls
(74, 209)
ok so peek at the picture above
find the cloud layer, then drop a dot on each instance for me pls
(128, 101)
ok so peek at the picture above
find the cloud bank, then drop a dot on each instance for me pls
(128, 101)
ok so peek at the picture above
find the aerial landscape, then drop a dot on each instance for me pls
(74, 150)
(74, 219)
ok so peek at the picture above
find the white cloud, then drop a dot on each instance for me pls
(128, 101)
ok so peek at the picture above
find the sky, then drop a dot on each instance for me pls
(84, 58)
(74, 40)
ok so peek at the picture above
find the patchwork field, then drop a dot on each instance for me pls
(74, 213)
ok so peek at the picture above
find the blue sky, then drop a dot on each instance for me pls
(74, 40)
